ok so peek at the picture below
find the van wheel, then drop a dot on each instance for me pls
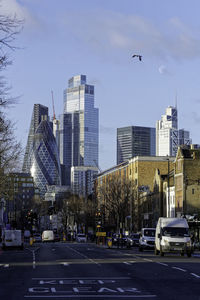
(156, 251)
(161, 252)
(188, 254)
(140, 249)
(182, 253)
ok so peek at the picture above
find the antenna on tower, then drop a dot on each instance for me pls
(176, 100)
(54, 115)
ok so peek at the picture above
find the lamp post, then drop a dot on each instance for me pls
(168, 194)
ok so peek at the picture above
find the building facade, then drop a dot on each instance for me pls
(135, 141)
(168, 136)
(41, 158)
(79, 129)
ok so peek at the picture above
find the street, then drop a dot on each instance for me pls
(87, 271)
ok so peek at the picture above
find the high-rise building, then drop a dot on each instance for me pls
(167, 133)
(135, 141)
(79, 127)
(38, 111)
(168, 136)
(42, 157)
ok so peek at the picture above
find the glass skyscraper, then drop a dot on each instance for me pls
(79, 126)
(135, 141)
(42, 157)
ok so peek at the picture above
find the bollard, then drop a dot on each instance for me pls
(31, 241)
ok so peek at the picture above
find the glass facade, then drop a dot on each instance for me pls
(45, 163)
(39, 111)
(135, 141)
(41, 158)
(79, 125)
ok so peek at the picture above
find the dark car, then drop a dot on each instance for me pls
(133, 240)
(56, 237)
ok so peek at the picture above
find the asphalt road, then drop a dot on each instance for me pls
(88, 271)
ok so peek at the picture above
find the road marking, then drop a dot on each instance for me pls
(176, 268)
(6, 266)
(84, 256)
(127, 263)
(195, 275)
(65, 264)
(92, 296)
(147, 259)
(70, 278)
(162, 264)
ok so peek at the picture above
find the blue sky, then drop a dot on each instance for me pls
(63, 38)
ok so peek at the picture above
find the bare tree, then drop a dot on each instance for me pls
(117, 199)
(9, 148)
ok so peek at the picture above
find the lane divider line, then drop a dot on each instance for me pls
(176, 268)
(166, 265)
(195, 275)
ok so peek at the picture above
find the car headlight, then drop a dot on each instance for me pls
(166, 242)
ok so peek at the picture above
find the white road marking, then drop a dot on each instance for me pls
(69, 278)
(195, 275)
(147, 259)
(176, 268)
(84, 256)
(166, 265)
(127, 263)
(91, 296)
(6, 266)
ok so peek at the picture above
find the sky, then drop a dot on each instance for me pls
(97, 38)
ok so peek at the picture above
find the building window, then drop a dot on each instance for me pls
(193, 191)
(130, 172)
(135, 169)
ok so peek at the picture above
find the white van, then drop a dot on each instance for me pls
(48, 236)
(172, 235)
(147, 239)
(12, 238)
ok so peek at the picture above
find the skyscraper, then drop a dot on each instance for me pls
(168, 136)
(167, 133)
(79, 126)
(41, 159)
(38, 111)
(135, 141)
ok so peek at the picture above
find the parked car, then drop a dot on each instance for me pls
(48, 236)
(133, 240)
(37, 238)
(147, 239)
(81, 238)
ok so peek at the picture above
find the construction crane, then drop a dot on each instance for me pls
(54, 115)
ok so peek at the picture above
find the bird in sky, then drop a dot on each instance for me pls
(136, 55)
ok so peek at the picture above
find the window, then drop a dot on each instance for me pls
(193, 191)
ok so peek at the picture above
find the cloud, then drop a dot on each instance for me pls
(163, 70)
(107, 31)
(14, 8)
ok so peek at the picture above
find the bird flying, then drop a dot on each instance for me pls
(136, 55)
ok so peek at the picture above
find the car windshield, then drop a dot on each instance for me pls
(149, 232)
(81, 235)
(175, 231)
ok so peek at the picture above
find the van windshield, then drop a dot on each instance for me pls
(175, 231)
(149, 232)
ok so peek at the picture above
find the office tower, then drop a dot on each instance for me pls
(167, 133)
(82, 180)
(184, 137)
(135, 141)
(42, 156)
(38, 111)
(79, 126)
(168, 136)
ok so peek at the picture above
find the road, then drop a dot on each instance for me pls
(87, 271)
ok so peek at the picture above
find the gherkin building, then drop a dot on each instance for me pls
(45, 165)
(41, 158)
